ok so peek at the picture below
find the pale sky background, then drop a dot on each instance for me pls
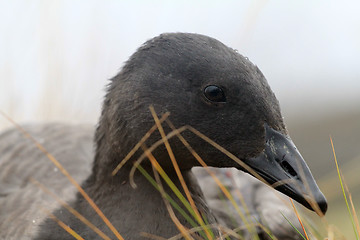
(56, 56)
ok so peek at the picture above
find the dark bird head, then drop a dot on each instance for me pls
(217, 91)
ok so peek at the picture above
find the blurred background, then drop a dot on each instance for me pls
(56, 58)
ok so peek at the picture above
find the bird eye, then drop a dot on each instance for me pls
(214, 94)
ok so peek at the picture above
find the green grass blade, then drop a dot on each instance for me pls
(265, 229)
(292, 225)
(172, 202)
(343, 190)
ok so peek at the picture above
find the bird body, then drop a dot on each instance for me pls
(22, 202)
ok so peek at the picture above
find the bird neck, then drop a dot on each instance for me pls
(140, 209)
(144, 204)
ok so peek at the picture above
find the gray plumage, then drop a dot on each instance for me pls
(22, 202)
(263, 204)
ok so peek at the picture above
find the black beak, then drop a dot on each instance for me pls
(282, 166)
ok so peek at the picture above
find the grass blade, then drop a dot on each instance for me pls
(71, 210)
(66, 174)
(172, 202)
(138, 145)
(343, 190)
(64, 226)
(298, 217)
(179, 174)
(293, 226)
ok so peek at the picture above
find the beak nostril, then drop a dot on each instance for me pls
(288, 168)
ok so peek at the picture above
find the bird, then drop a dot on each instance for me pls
(209, 90)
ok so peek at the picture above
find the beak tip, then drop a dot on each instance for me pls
(322, 203)
(317, 203)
